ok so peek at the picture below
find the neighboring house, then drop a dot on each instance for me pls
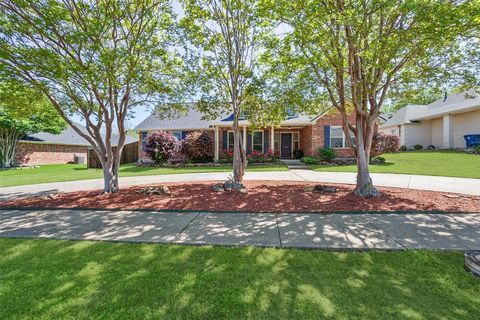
(297, 132)
(442, 123)
(46, 148)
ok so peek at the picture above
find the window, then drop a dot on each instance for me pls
(177, 134)
(337, 137)
(276, 141)
(257, 141)
(296, 141)
(230, 141)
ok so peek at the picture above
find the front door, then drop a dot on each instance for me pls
(286, 145)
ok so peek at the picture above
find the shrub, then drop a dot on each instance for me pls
(258, 157)
(198, 147)
(226, 156)
(253, 157)
(378, 160)
(326, 154)
(431, 147)
(309, 160)
(160, 146)
(418, 147)
(298, 154)
(403, 148)
(383, 143)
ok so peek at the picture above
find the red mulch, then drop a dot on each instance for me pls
(262, 196)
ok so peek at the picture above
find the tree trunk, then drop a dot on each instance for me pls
(364, 185)
(238, 154)
(8, 144)
(110, 171)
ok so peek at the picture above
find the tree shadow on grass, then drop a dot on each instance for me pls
(66, 279)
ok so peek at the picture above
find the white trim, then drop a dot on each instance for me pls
(228, 140)
(173, 132)
(263, 139)
(343, 137)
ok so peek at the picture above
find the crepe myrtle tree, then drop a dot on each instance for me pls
(94, 59)
(352, 52)
(23, 111)
(225, 35)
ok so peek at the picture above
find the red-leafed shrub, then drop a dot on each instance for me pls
(160, 146)
(383, 143)
(198, 146)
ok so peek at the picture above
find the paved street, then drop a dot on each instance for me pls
(443, 184)
(333, 231)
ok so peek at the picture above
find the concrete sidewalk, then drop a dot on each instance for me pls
(443, 184)
(332, 231)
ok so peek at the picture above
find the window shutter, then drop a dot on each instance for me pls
(326, 136)
(224, 139)
(249, 143)
(266, 141)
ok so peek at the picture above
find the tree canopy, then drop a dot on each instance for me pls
(23, 111)
(353, 52)
(95, 59)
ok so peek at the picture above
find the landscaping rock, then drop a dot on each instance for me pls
(235, 186)
(218, 188)
(160, 190)
(324, 189)
(472, 262)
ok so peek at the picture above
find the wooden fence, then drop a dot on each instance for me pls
(129, 155)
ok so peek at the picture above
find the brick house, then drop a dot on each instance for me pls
(297, 132)
(46, 148)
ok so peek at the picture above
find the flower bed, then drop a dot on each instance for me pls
(262, 196)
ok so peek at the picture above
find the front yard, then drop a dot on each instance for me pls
(51, 279)
(434, 163)
(72, 172)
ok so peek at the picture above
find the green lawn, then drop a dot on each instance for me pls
(71, 172)
(434, 163)
(49, 279)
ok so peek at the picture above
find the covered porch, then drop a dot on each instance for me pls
(282, 140)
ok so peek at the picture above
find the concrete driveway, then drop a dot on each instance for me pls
(443, 184)
(288, 230)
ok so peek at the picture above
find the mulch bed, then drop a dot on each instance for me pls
(262, 196)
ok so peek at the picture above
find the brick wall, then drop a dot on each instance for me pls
(312, 136)
(37, 153)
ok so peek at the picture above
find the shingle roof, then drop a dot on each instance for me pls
(69, 137)
(454, 103)
(192, 119)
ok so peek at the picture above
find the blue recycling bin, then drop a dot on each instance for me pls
(472, 140)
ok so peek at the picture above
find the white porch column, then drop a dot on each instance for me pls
(216, 157)
(272, 140)
(244, 142)
(447, 132)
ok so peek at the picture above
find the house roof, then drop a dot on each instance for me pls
(454, 103)
(192, 119)
(69, 137)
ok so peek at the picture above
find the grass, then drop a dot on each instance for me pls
(434, 163)
(72, 172)
(52, 279)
